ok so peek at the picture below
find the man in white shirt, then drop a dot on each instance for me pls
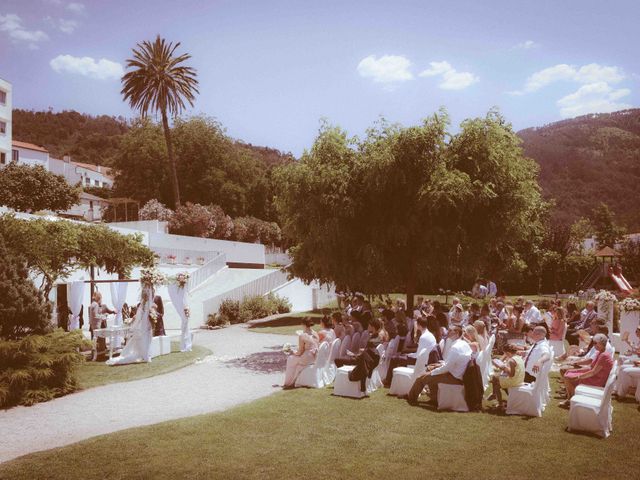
(427, 340)
(449, 372)
(493, 289)
(531, 313)
(538, 354)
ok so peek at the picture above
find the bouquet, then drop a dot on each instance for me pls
(182, 279)
(152, 277)
(287, 349)
(629, 305)
(605, 296)
(187, 312)
(153, 316)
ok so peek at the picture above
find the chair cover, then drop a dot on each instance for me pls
(76, 293)
(403, 377)
(590, 414)
(178, 296)
(313, 375)
(346, 343)
(597, 392)
(355, 342)
(364, 339)
(375, 381)
(529, 399)
(451, 397)
(344, 387)
(118, 297)
(330, 370)
(392, 349)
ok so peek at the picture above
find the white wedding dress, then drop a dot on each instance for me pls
(139, 343)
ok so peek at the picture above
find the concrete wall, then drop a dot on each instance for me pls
(151, 226)
(32, 157)
(237, 252)
(5, 116)
(64, 168)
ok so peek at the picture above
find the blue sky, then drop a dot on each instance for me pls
(269, 70)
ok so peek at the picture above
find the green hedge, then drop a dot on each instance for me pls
(38, 368)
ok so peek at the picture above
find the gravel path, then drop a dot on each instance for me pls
(244, 367)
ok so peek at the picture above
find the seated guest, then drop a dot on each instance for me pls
(474, 313)
(441, 317)
(454, 302)
(470, 335)
(511, 374)
(582, 323)
(487, 318)
(305, 355)
(349, 328)
(351, 356)
(367, 314)
(457, 317)
(483, 334)
(367, 360)
(596, 375)
(338, 328)
(427, 340)
(389, 322)
(326, 333)
(450, 372)
(538, 354)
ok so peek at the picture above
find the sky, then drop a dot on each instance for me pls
(270, 70)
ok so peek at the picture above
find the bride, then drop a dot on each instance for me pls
(139, 343)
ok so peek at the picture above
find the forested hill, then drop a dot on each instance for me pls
(96, 139)
(590, 159)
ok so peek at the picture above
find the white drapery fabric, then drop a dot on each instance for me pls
(76, 293)
(178, 296)
(139, 343)
(118, 296)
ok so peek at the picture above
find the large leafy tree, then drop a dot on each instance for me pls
(30, 189)
(409, 208)
(607, 231)
(160, 82)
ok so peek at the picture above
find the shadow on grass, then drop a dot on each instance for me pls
(262, 362)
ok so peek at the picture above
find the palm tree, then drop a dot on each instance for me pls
(158, 82)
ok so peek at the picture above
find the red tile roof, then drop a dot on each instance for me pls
(106, 171)
(29, 146)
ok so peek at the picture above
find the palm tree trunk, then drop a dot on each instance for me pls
(172, 160)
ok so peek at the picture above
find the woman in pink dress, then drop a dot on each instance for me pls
(596, 375)
(305, 355)
(558, 330)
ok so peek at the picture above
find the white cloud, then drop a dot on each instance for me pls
(387, 69)
(102, 69)
(591, 73)
(76, 7)
(12, 25)
(597, 97)
(62, 24)
(529, 44)
(451, 78)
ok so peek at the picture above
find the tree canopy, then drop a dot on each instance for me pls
(30, 189)
(410, 207)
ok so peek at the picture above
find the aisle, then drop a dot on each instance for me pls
(244, 366)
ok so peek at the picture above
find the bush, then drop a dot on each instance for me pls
(279, 304)
(38, 368)
(154, 210)
(216, 320)
(256, 307)
(229, 311)
(23, 310)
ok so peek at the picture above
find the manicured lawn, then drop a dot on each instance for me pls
(311, 434)
(94, 374)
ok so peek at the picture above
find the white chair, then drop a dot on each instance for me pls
(529, 399)
(451, 397)
(403, 377)
(364, 339)
(313, 375)
(346, 388)
(546, 386)
(392, 349)
(592, 414)
(346, 343)
(597, 392)
(330, 370)
(375, 381)
(355, 342)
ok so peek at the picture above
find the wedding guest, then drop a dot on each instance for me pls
(305, 355)
(458, 317)
(338, 328)
(558, 330)
(470, 335)
(483, 334)
(427, 340)
(450, 372)
(531, 314)
(98, 319)
(367, 314)
(326, 333)
(586, 317)
(629, 371)
(389, 321)
(538, 354)
(487, 318)
(441, 317)
(367, 360)
(596, 375)
(454, 302)
(158, 329)
(511, 374)
(492, 289)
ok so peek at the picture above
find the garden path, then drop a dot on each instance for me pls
(244, 367)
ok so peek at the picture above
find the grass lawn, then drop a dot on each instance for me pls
(313, 435)
(94, 374)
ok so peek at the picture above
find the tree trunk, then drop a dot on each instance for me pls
(172, 160)
(411, 286)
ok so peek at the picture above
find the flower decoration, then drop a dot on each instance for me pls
(287, 349)
(181, 279)
(605, 296)
(152, 277)
(187, 312)
(629, 305)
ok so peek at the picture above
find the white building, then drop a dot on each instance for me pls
(89, 209)
(29, 154)
(5, 122)
(93, 175)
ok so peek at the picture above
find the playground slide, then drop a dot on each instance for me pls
(621, 282)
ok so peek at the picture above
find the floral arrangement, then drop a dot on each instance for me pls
(187, 312)
(152, 277)
(605, 296)
(573, 298)
(629, 305)
(153, 316)
(187, 260)
(287, 349)
(200, 260)
(172, 258)
(181, 279)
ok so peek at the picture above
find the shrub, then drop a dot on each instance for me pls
(23, 310)
(216, 320)
(229, 311)
(38, 368)
(279, 304)
(154, 210)
(256, 307)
